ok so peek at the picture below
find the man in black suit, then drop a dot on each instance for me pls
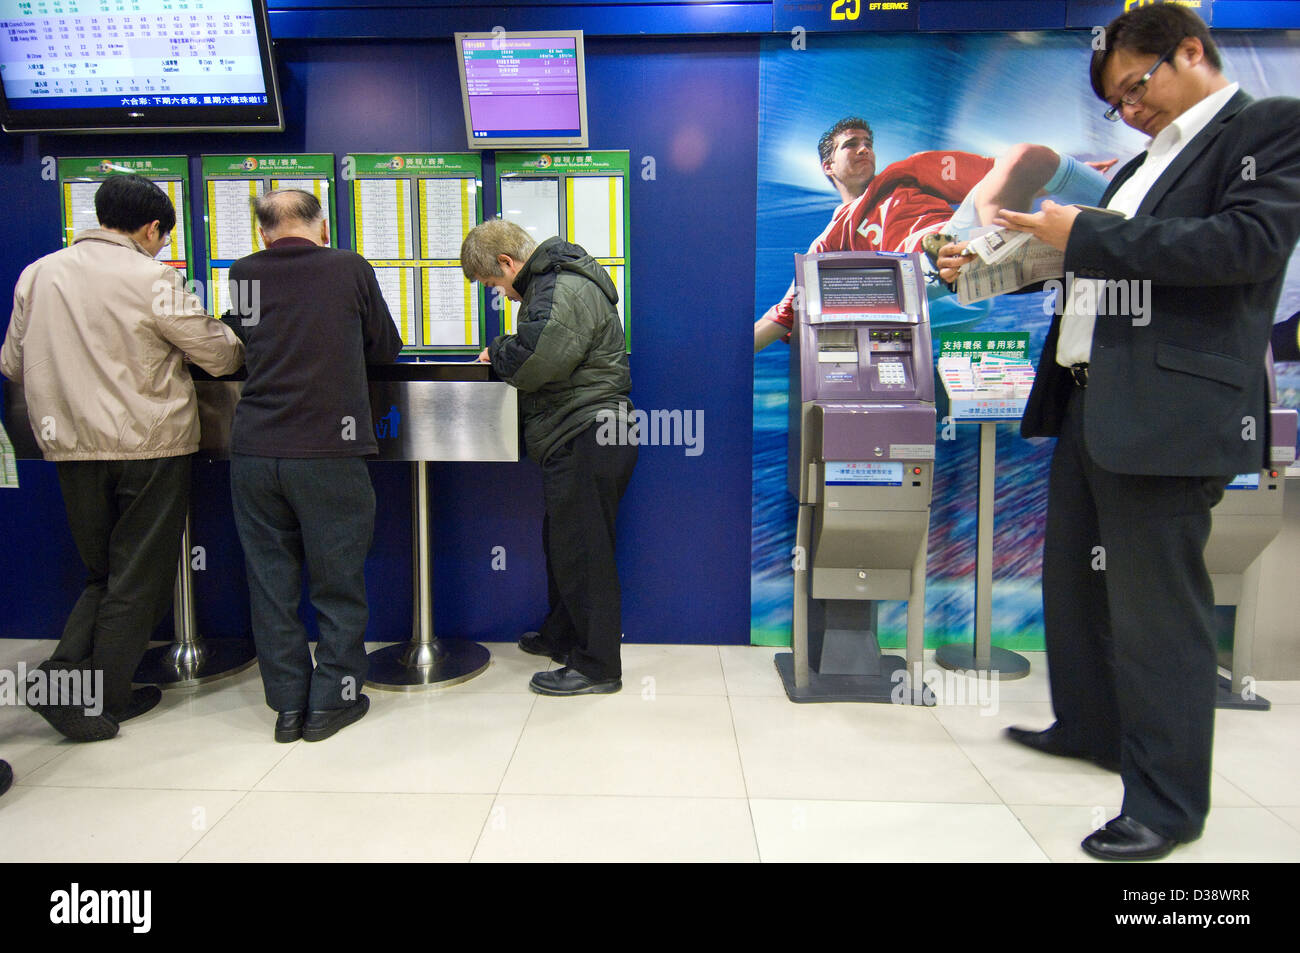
(1155, 409)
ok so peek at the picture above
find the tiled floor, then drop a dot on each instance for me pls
(701, 757)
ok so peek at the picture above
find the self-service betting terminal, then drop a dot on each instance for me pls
(861, 464)
(1244, 522)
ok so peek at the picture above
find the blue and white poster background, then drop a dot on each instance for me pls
(977, 93)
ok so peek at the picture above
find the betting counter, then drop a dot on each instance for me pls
(423, 412)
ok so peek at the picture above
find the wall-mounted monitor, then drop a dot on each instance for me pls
(137, 66)
(523, 90)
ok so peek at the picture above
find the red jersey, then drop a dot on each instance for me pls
(904, 202)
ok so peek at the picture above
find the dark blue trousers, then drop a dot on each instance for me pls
(319, 514)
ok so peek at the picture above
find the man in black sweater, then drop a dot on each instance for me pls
(311, 318)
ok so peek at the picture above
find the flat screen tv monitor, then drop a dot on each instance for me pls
(523, 90)
(137, 66)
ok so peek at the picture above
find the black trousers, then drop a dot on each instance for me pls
(1128, 613)
(582, 482)
(319, 513)
(127, 517)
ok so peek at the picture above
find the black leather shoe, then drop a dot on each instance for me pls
(534, 644)
(288, 726)
(71, 721)
(1123, 838)
(569, 681)
(1049, 741)
(321, 724)
(143, 699)
(6, 776)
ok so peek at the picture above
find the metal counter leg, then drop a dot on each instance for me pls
(192, 660)
(426, 661)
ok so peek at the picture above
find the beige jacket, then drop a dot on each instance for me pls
(98, 338)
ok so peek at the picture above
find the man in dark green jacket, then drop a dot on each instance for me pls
(569, 361)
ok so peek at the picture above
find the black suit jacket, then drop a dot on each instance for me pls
(1185, 394)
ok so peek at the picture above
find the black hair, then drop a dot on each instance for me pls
(1155, 30)
(826, 144)
(129, 202)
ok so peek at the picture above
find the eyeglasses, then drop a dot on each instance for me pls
(1133, 95)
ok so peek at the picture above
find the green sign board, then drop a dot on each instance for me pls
(409, 213)
(582, 197)
(81, 176)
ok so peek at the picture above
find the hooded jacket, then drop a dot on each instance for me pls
(98, 338)
(568, 358)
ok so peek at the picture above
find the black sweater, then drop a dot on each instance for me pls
(310, 325)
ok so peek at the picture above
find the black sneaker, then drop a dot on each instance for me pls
(6, 776)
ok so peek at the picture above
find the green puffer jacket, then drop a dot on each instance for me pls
(568, 357)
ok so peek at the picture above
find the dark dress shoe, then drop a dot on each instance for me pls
(73, 723)
(321, 724)
(534, 643)
(6, 776)
(143, 699)
(569, 681)
(1049, 741)
(288, 726)
(1126, 839)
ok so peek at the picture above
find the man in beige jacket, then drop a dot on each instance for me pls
(98, 339)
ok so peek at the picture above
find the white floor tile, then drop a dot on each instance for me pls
(668, 745)
(1289, 814)
(845, 751)
(672, 670)
(296, 827)
(618, 829)
(429, 743)
(890, 832)
(211, 740)
(1259, 752)
(101, 825)
(749, 670)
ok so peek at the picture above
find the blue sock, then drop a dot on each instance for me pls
(1076, 183)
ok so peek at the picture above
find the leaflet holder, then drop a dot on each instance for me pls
(861, 464)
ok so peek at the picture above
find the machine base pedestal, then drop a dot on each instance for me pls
(187, 664)
(1004, 665)
(416, 666)
(883, 688)
(1227, 698)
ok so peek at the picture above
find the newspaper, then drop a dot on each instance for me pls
(1007, 260)
(8, 461)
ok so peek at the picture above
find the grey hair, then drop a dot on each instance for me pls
(286, 206)
(479, 251)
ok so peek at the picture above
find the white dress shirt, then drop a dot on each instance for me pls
(1074, 344)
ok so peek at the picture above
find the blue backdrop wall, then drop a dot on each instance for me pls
(690, 104)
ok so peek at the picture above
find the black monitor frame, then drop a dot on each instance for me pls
(199, 118)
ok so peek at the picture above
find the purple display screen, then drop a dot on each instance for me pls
(522, 86)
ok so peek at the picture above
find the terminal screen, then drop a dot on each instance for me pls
(523, 87)
(858, 290)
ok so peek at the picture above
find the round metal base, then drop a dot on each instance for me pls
(186, 664)
(1004, 665)
(415, 666)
